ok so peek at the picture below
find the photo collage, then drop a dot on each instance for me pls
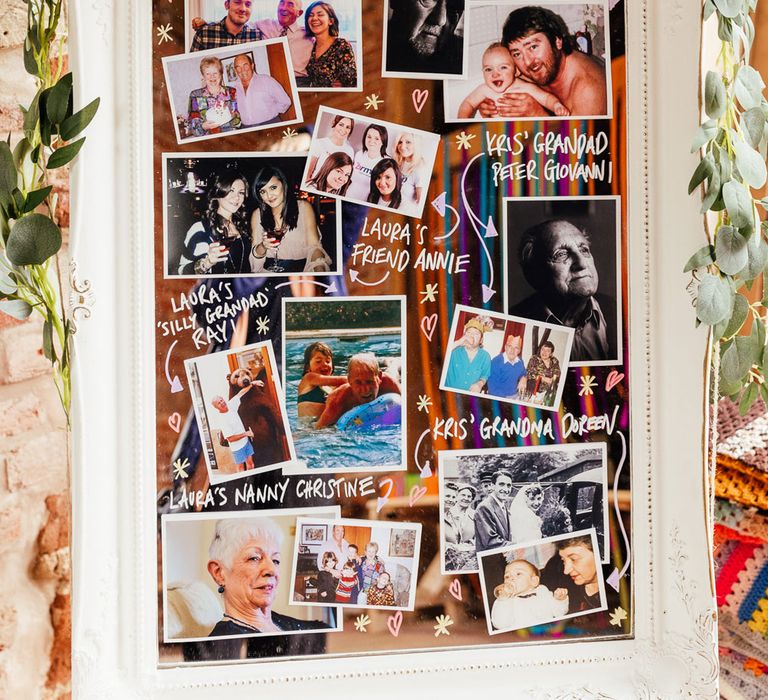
(391, 308)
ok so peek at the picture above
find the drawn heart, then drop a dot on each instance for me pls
(174, 420)
(428, 325)
(455, 589)
(416, 493)
(395, 622)
(419, 99)
(613, 379)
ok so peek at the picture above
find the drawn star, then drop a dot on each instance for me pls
(588, 385)
(361, 622)
(464, 140)
(429, 293)
(443, 623)
(262, 325)
(618, 616)
(180, 468)
(373, 102)
(290, 134)
(424, 403)
(163, 33)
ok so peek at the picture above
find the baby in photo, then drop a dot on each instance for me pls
(522, 602)
(499, 78)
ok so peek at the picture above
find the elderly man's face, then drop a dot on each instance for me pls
(252, 580)
(364, 383)
(288, 11)
(512, 348)
(243, 69)
(238, 11)
(425, 22)
(579, 564)
(567, 255)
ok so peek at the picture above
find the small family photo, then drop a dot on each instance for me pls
(358, 564)
(506, 358)
(541, 582)
(496, 497)
(232, 89)
(370, 162)
(425, 39)
(207, 558)
(324, 38)
(344, 378)
(244, 214)
(548, 61)
(238, 403)
(562, 257)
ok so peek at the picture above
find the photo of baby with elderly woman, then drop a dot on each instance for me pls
(224, 576)
(231, 90)
(542, 581)
(356, 563)
(370, 162)
(324, 38)
(243, 214)
(237, 399)
(492, 498)
(344, 383)
(506, 358)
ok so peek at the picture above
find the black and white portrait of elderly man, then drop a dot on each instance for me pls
(568, 259)
(425, 37)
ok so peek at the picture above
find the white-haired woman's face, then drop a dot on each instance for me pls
(465, 498)
(252, 580)
(212, 78)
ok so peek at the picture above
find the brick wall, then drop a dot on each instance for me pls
(35, 619)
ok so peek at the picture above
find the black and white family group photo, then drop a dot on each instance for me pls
(498, 497)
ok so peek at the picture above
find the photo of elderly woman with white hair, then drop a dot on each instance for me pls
(237, 587)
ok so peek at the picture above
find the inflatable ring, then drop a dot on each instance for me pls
(383, 411)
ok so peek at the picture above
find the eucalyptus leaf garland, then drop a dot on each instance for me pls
(734, 143)
(30, 236)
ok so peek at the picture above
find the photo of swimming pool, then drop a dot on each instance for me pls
(330, 448)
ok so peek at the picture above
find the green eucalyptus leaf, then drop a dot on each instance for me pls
(62, 156)
(749, 87)
(724, 28)
(8, 172)
(758, 330)
(750, 395)
(709, 8)
(35, 199)
(32, 117)
(713, 193)
(757, 258)
(704, 170)
(16, 307)
(730, 250)
(59, 99)
(715, 299)
(764, 393)
(738, 202)
(20, 152)
(726, 169)
(701, 258)
(728, 8)
(752, 125)
(75, 124)
(48, 349)
(715, 96)
(7, 283)
(738, 359)
(32, 240)
(707, 131)
(750, 164)
(30, 62)
(738, 316)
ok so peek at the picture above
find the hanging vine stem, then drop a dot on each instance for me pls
(733, 142)
(30, 236)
